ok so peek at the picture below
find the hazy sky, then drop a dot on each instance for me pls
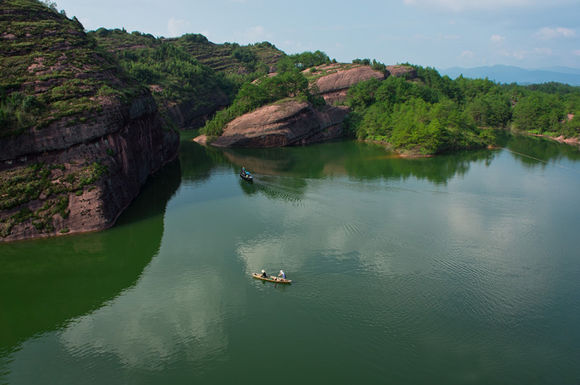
(439, 33)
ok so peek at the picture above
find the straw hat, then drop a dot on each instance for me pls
(263, 271)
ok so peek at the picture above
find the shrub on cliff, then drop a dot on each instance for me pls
(18, 111)
(376, 65)
(51, 69)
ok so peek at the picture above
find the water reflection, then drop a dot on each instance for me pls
(357, 161)
(162, 321)
(538, 152)
(54, 280)
(360, 161)
(197, 162)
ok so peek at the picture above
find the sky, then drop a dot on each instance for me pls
(437, 33)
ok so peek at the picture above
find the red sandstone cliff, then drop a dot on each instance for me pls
(78, 163)
(285, 123)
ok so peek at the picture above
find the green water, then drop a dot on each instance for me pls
(460, 269)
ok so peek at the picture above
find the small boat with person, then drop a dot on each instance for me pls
(281, 278)
(245, 175)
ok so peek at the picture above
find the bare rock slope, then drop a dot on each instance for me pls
(334, 86)
(285, 123)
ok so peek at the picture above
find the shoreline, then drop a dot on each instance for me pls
(560, 139)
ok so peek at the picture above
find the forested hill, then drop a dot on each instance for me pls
(229, 58)
(434, 114)
(420, 112)
(511, 74)
(189, 76)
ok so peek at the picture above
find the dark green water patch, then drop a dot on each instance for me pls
(46, 283)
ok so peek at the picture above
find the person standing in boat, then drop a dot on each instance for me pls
(282, 274)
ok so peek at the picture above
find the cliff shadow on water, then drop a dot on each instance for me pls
(52, 281)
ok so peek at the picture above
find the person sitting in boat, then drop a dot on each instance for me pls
(282, 274)
(243, 172)
(264, 275)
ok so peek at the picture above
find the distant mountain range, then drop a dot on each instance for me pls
(511, 74)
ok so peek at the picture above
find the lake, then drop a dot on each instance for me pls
(457, 269)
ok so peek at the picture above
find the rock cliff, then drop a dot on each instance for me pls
(286, 123)
(336, 79)
(78, 138)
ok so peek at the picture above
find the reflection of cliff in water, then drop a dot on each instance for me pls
(361, 161)
(533, 152)
(45, 283)
(197, 162)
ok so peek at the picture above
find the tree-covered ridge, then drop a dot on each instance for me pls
(172, 74)
(51, 70)
(189, 70)
(230, 58)
(433, 113)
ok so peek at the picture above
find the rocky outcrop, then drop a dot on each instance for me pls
(334, 86)
(286, 123)
(400, 70)
(292, 122)
(77, 161)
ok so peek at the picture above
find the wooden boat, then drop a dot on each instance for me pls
(271, 278)
(247, 176)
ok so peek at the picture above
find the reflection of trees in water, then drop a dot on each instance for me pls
(362, 161)
(282, 173)
(54, 280)
(437, 170)
(197, 162)
(533, 152)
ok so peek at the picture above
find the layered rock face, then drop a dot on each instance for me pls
(75, 161)
(285, 123)
(334, 86)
